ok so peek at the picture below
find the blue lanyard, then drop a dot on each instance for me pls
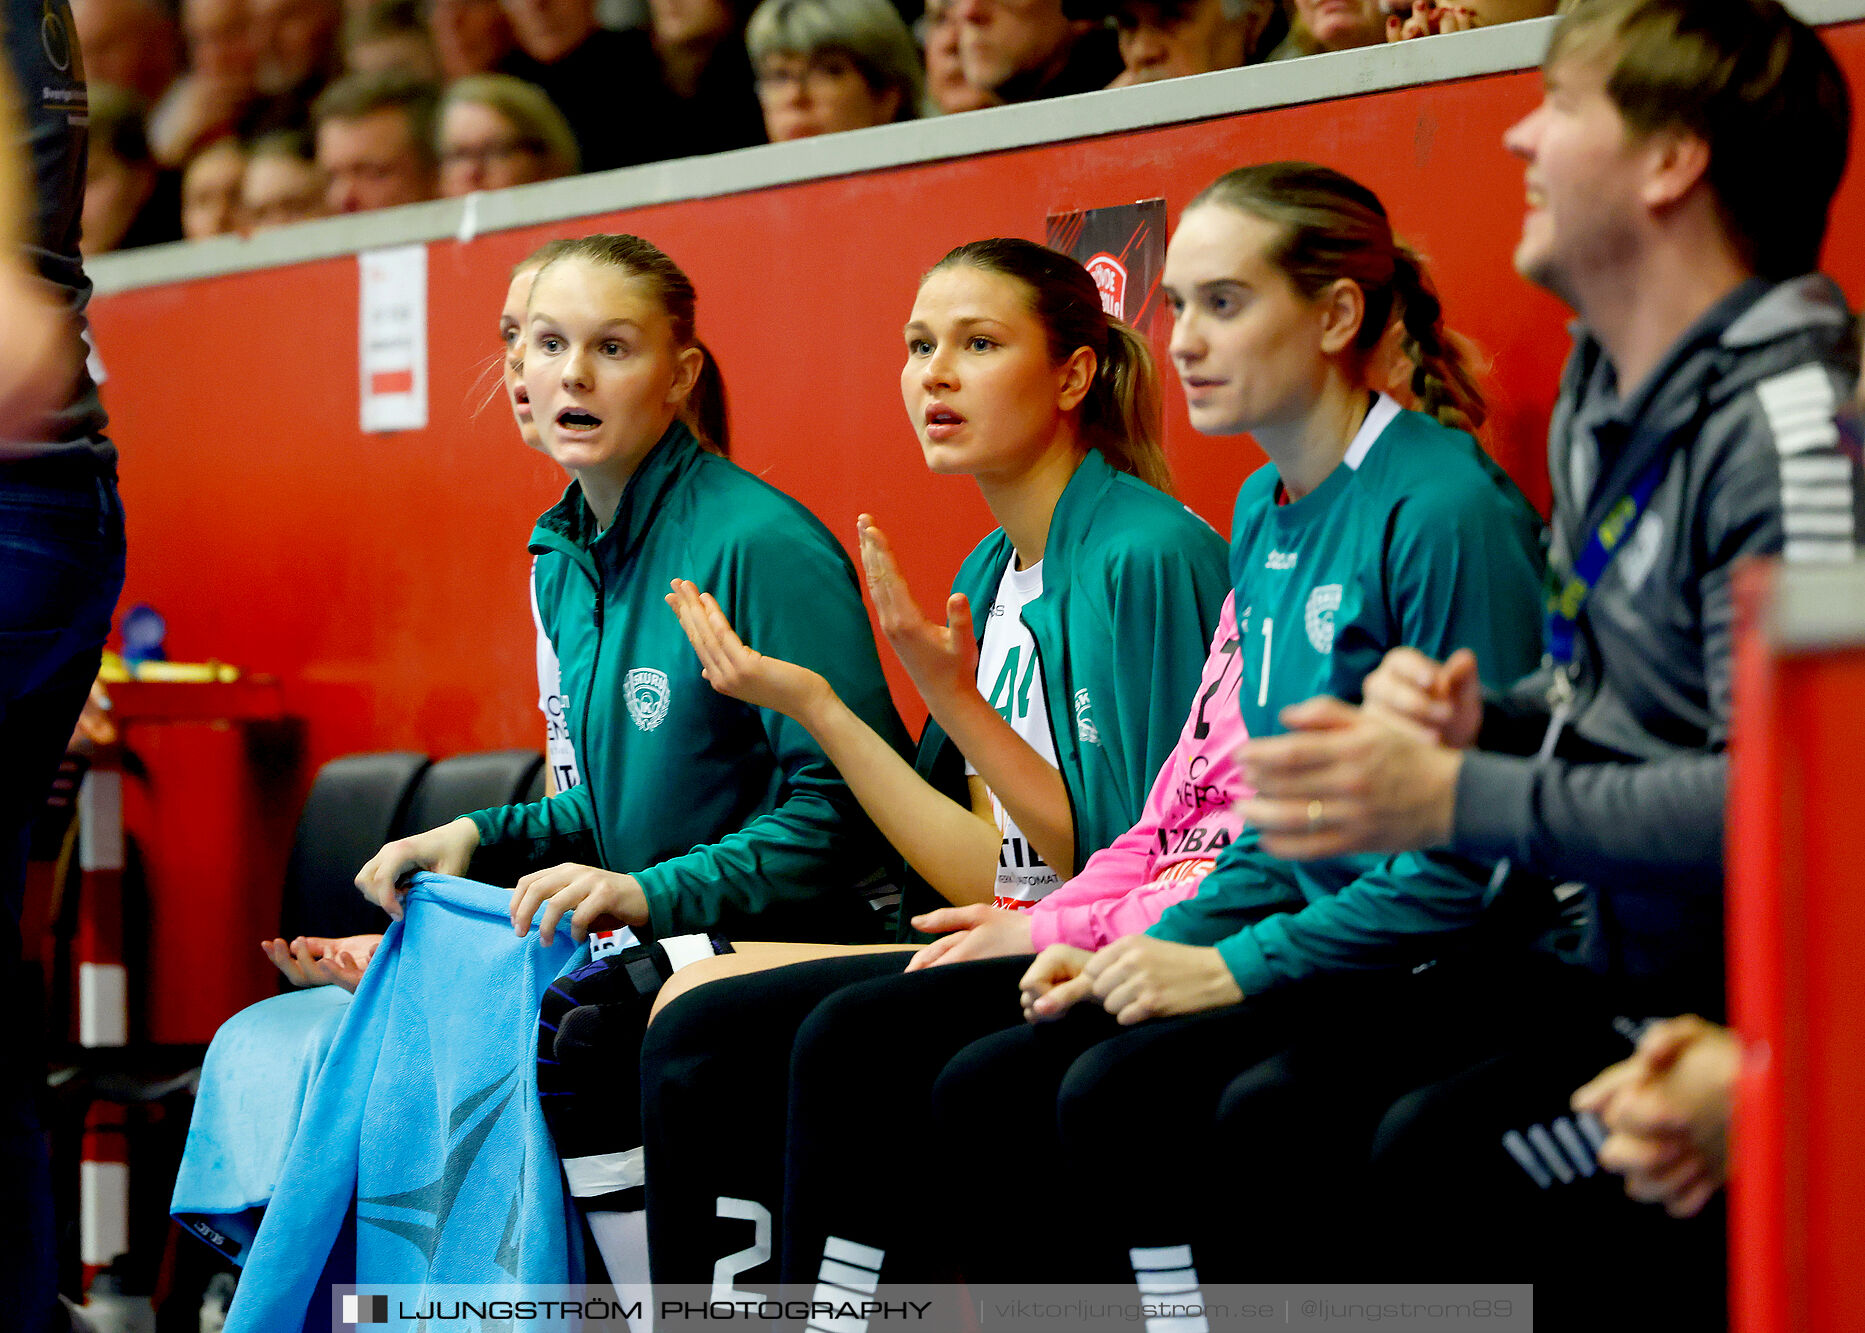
(1567, 596)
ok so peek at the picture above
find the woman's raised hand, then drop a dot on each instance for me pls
(736, 671)
(942, 660)
(445, 850)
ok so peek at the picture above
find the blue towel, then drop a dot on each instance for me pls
(254, 1081)
(425, 1117)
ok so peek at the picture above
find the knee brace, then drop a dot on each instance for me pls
(590, 1026)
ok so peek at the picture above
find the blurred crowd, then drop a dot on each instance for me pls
(221, 116)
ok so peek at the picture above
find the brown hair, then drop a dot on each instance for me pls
(705, 410)
(1333, 227)
(357, 95)
(1120, 415)
(1756, 84)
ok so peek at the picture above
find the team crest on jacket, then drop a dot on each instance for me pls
(1084, 719)
(647, 693)
(1323, 602)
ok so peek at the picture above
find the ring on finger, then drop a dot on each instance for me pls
(1315, 812)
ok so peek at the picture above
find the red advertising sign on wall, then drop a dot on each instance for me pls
(1124, 248)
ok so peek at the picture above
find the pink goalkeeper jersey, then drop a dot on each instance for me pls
(1190, 816)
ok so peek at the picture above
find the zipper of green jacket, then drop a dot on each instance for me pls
(595, 667)
(544, 541)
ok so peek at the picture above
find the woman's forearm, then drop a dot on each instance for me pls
(1029, 787)
(948, 845)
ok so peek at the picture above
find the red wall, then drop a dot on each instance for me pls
(383, 577)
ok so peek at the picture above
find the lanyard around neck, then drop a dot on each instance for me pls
(1567, 596)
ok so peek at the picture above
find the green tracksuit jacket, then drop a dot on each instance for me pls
(725, 813)
(1418, 540)
(1132, 585)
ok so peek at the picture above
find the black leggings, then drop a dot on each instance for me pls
(1222, 1143)
(861, 1078)
(799, 1096)
(1084, 1140)
(715, 1070)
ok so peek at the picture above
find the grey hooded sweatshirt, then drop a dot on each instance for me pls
(1632, 802)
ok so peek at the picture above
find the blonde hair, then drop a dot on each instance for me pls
(527, 108)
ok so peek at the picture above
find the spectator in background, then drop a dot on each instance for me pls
(295, 42)
(681, 87)
(473, 37)
(592, 75)
(212, 97)
(1331, 25)
(947, 89)
(1426, 18)
(1164, 39)
(283, 183)
(128, 200)
(828, 65)
(210, 190)
(496, 131)
(389, 34)
(706, 74)
(375, 141)
(131, 43)
(1023, 50)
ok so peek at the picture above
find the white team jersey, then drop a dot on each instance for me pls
(1010, 677)
(559, 753)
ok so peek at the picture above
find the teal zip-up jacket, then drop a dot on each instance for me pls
(725, 813)
(1417, 539)
(1132, 585)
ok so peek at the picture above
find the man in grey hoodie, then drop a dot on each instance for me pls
(1680, 169)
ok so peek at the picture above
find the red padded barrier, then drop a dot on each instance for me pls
(382, 577)
(1796, 915)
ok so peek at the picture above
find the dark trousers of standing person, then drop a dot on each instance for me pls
(61, 568)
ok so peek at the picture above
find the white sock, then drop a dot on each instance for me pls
(1166, 1278)
(623, 1240)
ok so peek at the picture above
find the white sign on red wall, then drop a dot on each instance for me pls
(393, 334)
